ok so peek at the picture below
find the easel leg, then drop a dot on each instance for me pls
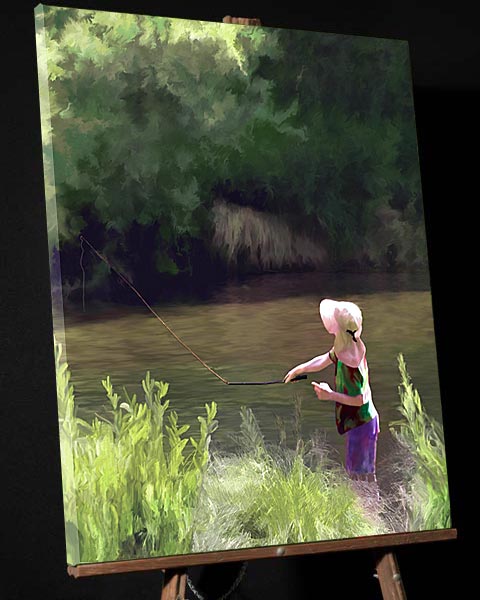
(389, 576)
(174, 584)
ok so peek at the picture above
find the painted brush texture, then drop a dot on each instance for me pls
(154, 119)
(131, 481)
(426, 492)
(135, 485)
(252, 239)
(203, 159)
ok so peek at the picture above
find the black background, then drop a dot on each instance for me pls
(444, 51)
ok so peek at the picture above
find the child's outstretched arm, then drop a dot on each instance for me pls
(315, 364)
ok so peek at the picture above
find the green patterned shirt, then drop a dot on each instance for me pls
(352, 381)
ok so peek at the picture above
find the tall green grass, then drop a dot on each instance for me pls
(136, 484)
(426, 490)
(136, 478)
(267, 495)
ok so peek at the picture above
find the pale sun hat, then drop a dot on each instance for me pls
(344, 321)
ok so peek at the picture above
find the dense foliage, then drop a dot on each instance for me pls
(154, 119)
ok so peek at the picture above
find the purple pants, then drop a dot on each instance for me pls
(361, 450)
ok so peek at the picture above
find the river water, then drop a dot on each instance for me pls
(257, 329)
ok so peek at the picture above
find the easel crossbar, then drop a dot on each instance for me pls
(190, 560)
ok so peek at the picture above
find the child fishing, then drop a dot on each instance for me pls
(355, 414)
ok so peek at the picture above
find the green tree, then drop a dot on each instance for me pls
(154, 118)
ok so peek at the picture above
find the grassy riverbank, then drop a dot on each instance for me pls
(138, 483)
(271, 495)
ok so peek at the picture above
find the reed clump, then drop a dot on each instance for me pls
(425, 492)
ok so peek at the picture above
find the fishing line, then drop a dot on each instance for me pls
(83, 272)
(167, 327)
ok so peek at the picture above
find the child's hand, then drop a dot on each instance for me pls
(291, 374)
(323, 390)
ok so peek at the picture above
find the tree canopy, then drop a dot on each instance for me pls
(154, 119)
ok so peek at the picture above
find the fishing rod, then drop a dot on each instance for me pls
(297, 378)
(169, 329)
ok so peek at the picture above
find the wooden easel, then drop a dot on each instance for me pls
(388, 574)
(174, 567)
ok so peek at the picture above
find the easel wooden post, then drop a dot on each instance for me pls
(389, 576)
(174, 584)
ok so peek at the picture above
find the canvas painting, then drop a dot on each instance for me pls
(242, 318)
